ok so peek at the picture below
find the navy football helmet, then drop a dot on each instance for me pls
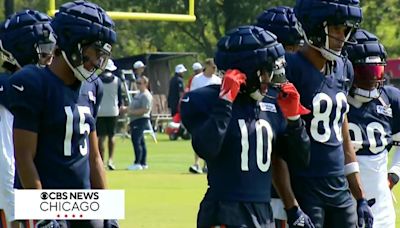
(252, 50)
(26, 37)
(281, 21)
(315, 16)
(80, 25)
(369, 59)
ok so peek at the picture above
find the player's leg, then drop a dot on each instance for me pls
(309, 200)
(234, 214)
(279, 213)
(341, 217)
(373, 172)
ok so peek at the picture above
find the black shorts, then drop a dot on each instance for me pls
(234, 214)
(105, 126)
(326, 200)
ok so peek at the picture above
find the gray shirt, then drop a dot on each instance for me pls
(141, 100)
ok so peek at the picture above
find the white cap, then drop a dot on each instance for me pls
(180, 68)
(110, 65)
(138, 64)
(197, 66)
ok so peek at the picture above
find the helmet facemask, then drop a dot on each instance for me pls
(45, 50)
(271, 76)
(368, 79)
(7, 56)
(88, 59)
(319, 39)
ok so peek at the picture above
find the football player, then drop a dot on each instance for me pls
(25, 38)
(374, 123)
(323, 78)
(281, 21)
(54, 122)
(235, 128)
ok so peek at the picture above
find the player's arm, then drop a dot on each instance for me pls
(208, 131)
(25, 144)
(281, 182)
(208, 136)
(97, 173)
(394, 171)
(352, 170)
(394, 99)
(294, 143)
(26, 105)
(99, 95)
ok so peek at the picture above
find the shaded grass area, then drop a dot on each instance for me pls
(165, 195)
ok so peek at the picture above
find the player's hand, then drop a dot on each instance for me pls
(364, 214)
(231, 83)
(297, 218)
(289, 101)
(392, 180)
(111, 223)
(47, 224)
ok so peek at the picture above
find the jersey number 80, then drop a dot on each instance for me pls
(323, 117)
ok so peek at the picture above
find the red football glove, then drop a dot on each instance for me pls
(289, 101)
(231, 84)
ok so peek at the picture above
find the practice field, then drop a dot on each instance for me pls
(165, 195)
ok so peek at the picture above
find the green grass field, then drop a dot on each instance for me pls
(165, 195)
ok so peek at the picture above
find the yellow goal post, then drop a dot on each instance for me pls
(116, 15)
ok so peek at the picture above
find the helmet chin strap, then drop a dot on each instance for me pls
(365, 96)
(79, 72)
(325, 51)
(256, 95)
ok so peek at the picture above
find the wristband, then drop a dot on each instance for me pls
(351, 167)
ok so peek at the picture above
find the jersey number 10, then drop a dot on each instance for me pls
(260, 139)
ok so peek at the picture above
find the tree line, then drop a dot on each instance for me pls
(214, 18)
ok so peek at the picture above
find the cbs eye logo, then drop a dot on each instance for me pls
(44, 196)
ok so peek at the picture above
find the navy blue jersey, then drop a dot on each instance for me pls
(97, 92)
(4, 77)
(62, 116)
(236, 140)
(93, 91)
(373, 125)
(325, 96)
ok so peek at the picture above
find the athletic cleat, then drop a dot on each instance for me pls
(135, 167)
(110, 165)
(195, 169)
